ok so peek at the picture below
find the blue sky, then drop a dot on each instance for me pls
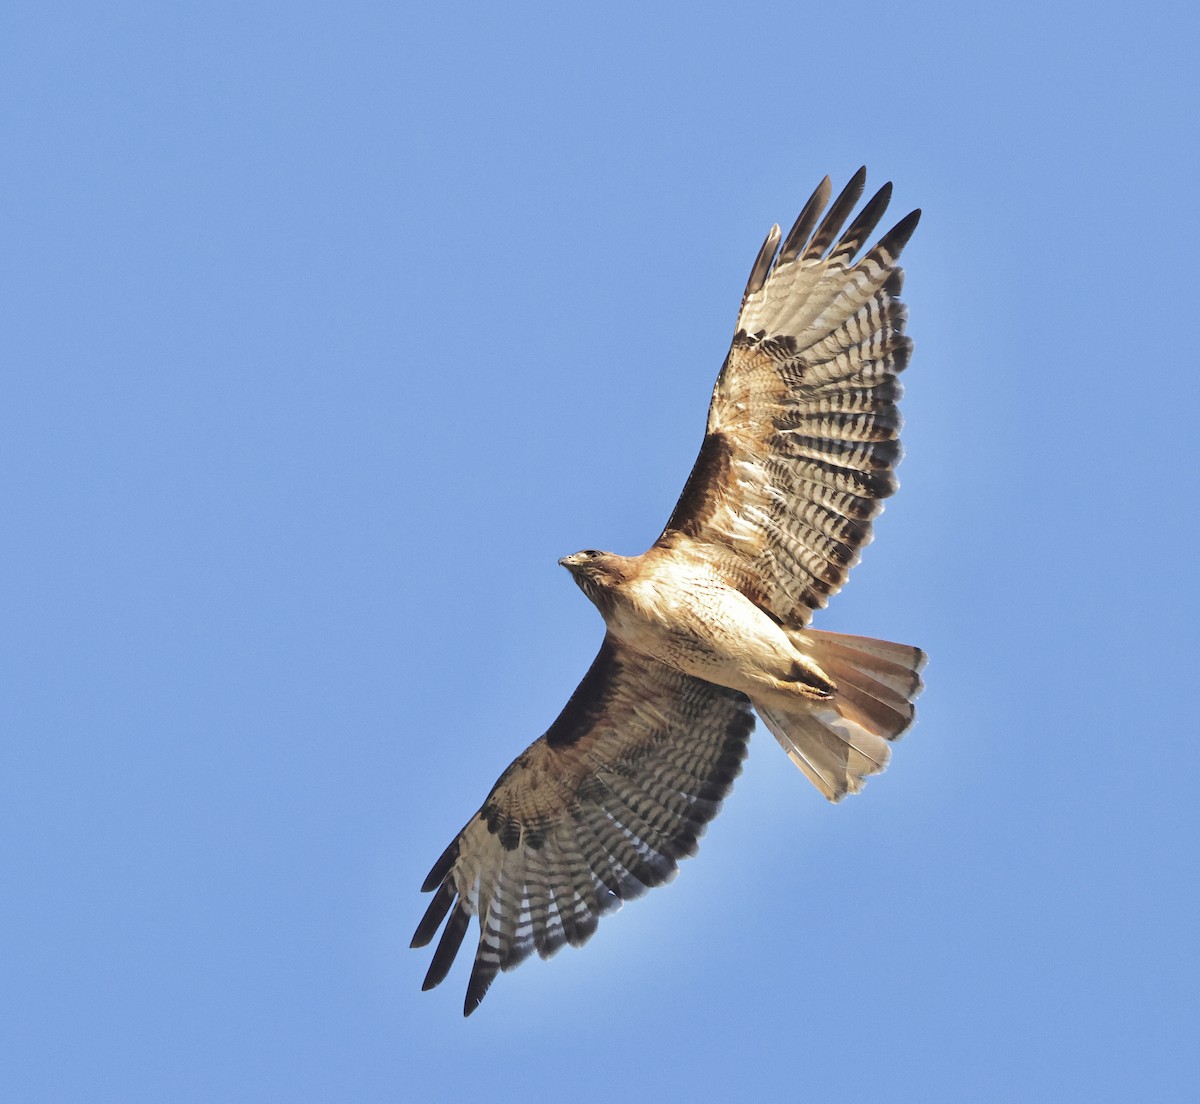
(331, 327)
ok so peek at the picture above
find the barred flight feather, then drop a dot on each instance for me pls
(803, 226)
(862, 227)
(808, 397)
(614, 822)
(832, 223)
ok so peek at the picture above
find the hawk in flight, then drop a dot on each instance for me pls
(712, 621)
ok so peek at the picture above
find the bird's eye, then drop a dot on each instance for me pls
(590, 553)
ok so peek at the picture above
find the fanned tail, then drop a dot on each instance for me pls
(840, 742)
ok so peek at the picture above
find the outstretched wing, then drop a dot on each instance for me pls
(803, 430)
(591, 814)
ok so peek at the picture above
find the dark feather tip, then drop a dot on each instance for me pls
(441, 868)
(435, 914)
(806, 220)
(447, 948)
(836, 215)
(865, 222)
(897, 237)
(762, 263)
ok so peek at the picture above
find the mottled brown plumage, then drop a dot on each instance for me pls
(799, 451)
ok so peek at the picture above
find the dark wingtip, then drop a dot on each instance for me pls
(447, 948)
(434, 914)
(806, 220)
(863, 225)
(837, 214)
(762, 263)
(481, 981)
(897, 237)
(441, 868)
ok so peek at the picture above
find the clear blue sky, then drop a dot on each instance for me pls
(329, 328)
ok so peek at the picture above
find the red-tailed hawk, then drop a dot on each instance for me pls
(802, 439)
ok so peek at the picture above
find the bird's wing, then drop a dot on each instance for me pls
(591, 814)
(803, 430)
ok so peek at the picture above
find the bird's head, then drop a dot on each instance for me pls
(596, 572)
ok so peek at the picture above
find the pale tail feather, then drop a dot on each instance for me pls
(840, 742)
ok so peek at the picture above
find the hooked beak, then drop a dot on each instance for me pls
(574, 562)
